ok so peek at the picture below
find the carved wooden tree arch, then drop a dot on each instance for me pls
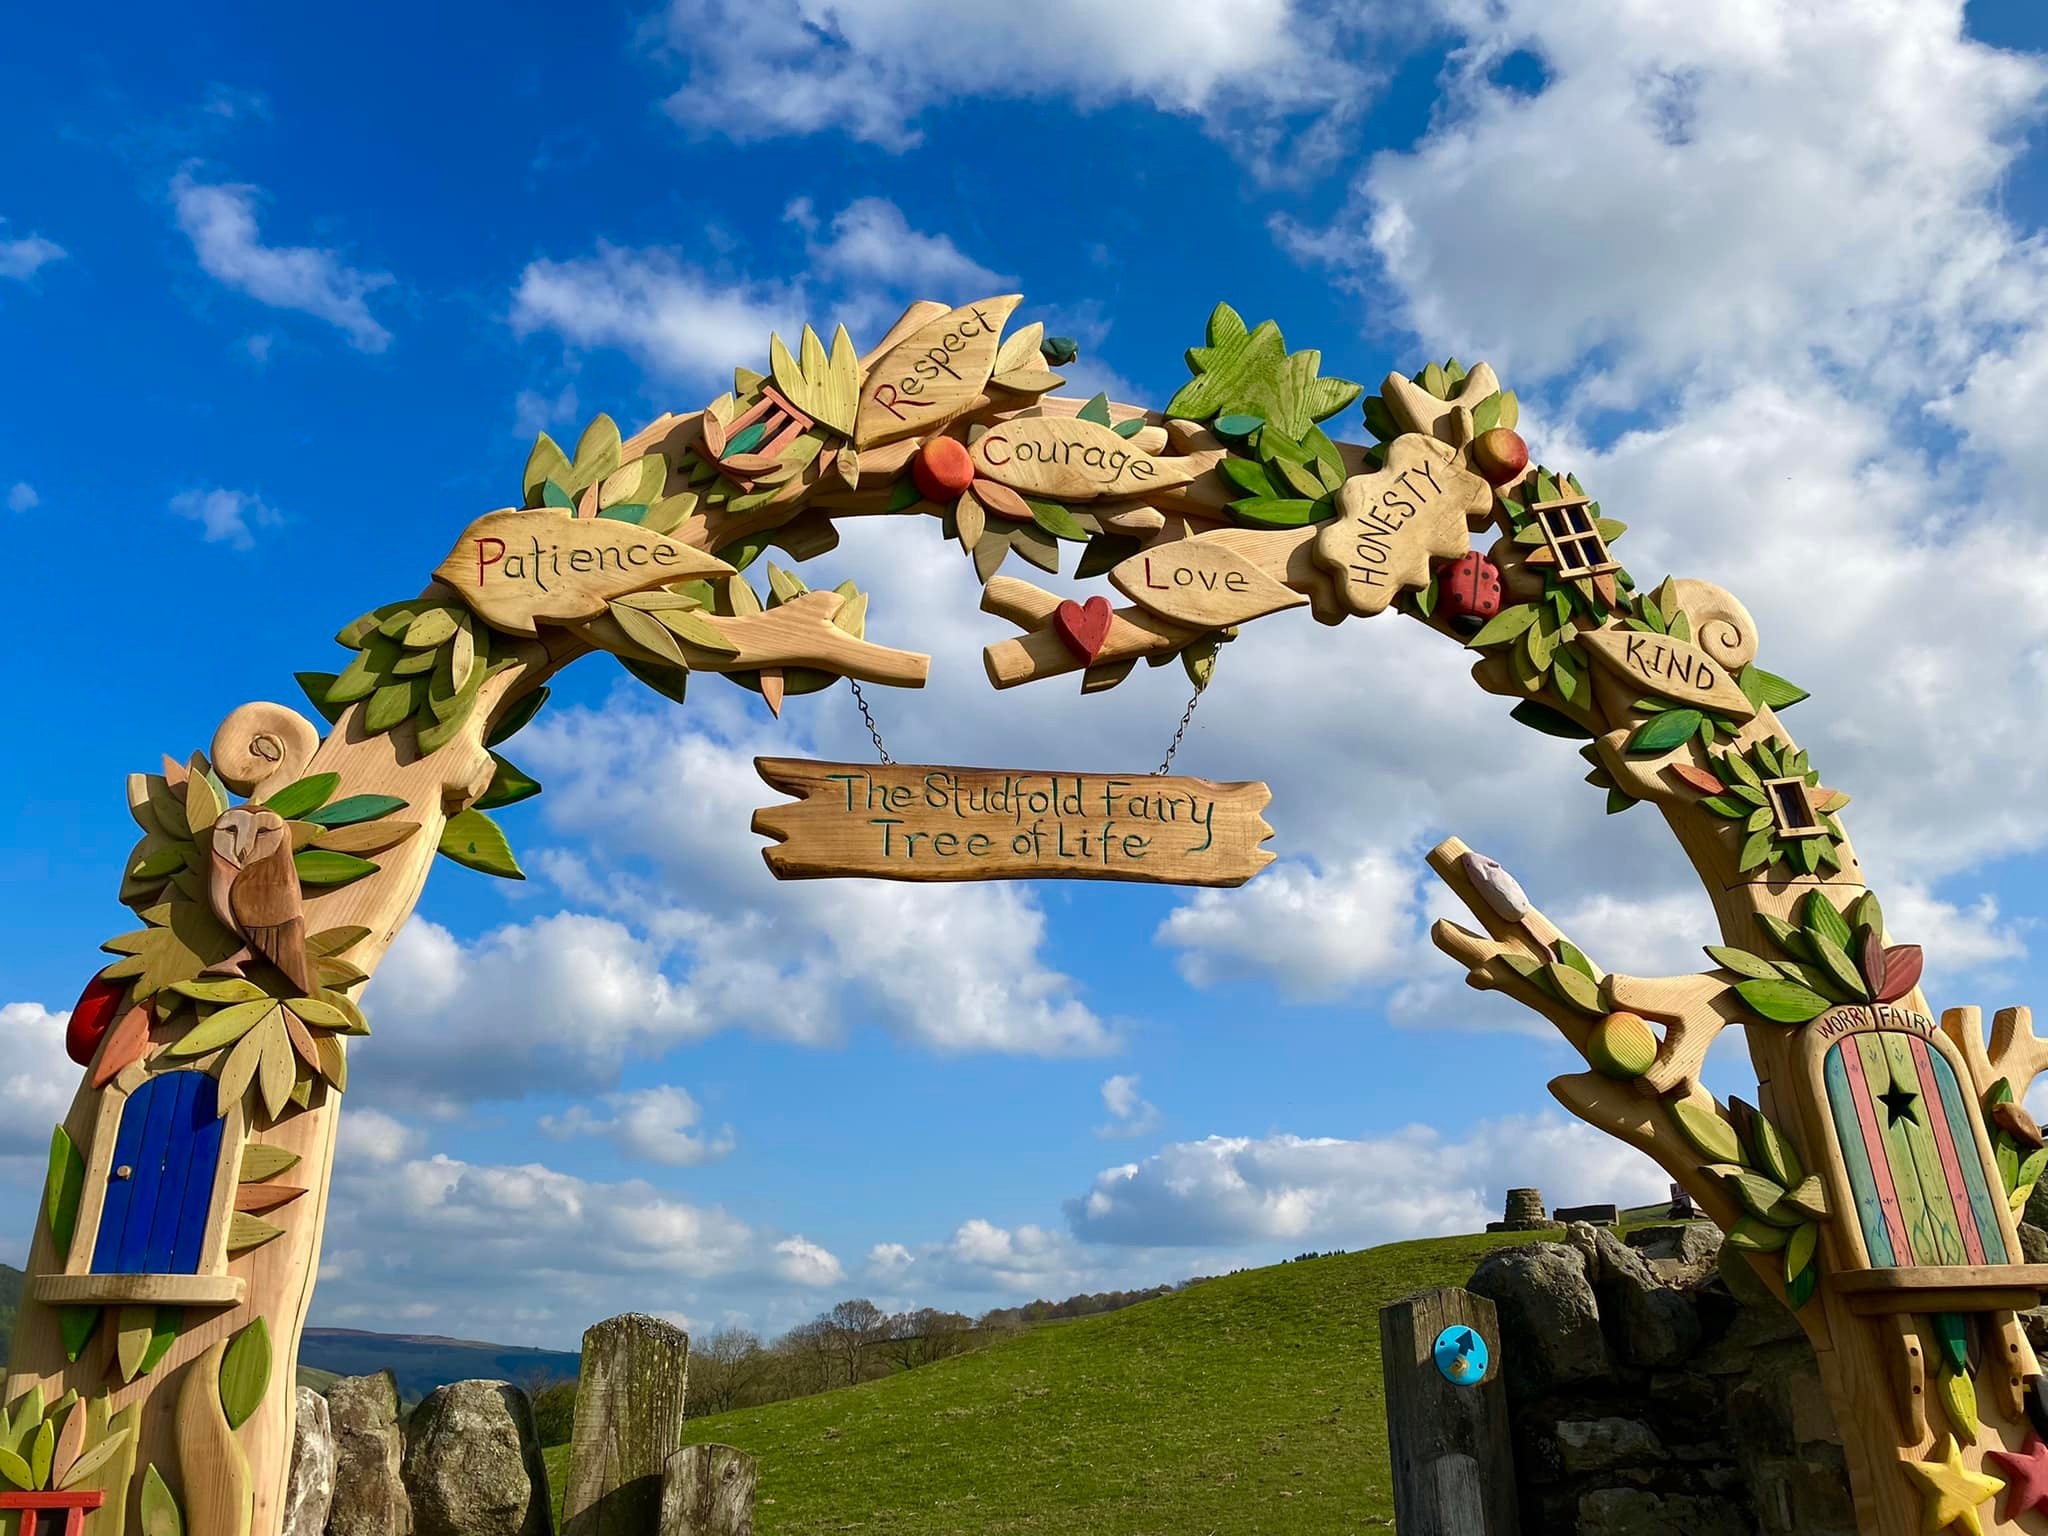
(1873, 1185)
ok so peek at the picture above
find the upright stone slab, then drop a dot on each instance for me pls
(369, 1450)
(629, 1422)
(1447, 1439)
(708, 1490)
(309, 1494)
(473, 1465)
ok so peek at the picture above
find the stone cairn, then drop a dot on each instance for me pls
(1525, 1213)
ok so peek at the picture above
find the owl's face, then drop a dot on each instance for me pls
(242, 836)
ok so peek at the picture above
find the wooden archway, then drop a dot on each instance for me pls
(1874, 1184)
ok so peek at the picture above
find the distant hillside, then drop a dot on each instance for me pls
(423, 1362)
(1244, 1406)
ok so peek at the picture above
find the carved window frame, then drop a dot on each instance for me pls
(1573, 535)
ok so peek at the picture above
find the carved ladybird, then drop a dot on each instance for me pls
(1468, 590)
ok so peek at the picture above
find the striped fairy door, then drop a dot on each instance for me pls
(1923, 1196)
(160, 1182)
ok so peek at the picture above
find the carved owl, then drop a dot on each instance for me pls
(254, 889)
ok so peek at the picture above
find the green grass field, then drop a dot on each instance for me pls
(1246, 1406)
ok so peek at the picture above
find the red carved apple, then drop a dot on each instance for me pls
(942, 469)
(90, 1016)
(1499, 454)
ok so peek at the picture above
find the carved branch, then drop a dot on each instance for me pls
(1042, 653)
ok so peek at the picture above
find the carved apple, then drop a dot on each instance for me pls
(942, 469)
(90, 1016)
(1499, 454)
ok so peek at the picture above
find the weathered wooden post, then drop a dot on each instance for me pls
(1447, 1416)
(708, 1490)
(629, 1422)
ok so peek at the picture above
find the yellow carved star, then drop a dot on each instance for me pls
(1951, 1492)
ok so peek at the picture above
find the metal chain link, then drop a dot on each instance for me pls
(874, 730)
(1173, 746)
(1165, 764)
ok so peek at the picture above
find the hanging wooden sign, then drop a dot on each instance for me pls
(1390, 525)
(515, 568)
(907, 821)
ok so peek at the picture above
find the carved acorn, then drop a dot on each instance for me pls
(1468, 591)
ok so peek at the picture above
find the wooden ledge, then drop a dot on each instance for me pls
(1943, 1288)
(122, 1290)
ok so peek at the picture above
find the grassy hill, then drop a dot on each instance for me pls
(1246, 1406)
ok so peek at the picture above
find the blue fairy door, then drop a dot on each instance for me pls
(160, 1182)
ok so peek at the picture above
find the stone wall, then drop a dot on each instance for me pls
(1654, 1391)
(466, 1462)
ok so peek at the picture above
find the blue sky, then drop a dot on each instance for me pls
(286, 301)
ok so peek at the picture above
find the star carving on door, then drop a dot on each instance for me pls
(1898, 1105)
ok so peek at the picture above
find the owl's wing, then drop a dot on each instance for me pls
(266, 892)
(271, 913)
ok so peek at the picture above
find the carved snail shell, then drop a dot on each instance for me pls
(1721, 626)
(263, 746)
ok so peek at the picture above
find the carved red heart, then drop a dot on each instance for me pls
(1084, 626)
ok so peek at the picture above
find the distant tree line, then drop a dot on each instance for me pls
(852, 1342)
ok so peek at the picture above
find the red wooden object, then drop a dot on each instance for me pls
(942, 469)
(1469, 588)
(76, 1503)
(1084, 626)
(90, 1016)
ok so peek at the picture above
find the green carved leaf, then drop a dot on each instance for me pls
(475, 841)
(245, 1373)
(1782, 1002)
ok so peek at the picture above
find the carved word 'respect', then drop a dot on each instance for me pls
(933, 374)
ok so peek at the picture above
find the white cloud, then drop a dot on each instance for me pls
(22, 258)
(803, 1262)
(1317, 934)
(534, 411)
(872, 243)
(1668, 149)
(657, 1125)
(22, 497)
(220, 221)
(528, 1253)
(674, 320)
(1355, 1193)
(225, 516)
(370, 1136)
(955, 968)
(39, 1080)
(889, 1261)
(1257, 70)
(1130, 1113)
